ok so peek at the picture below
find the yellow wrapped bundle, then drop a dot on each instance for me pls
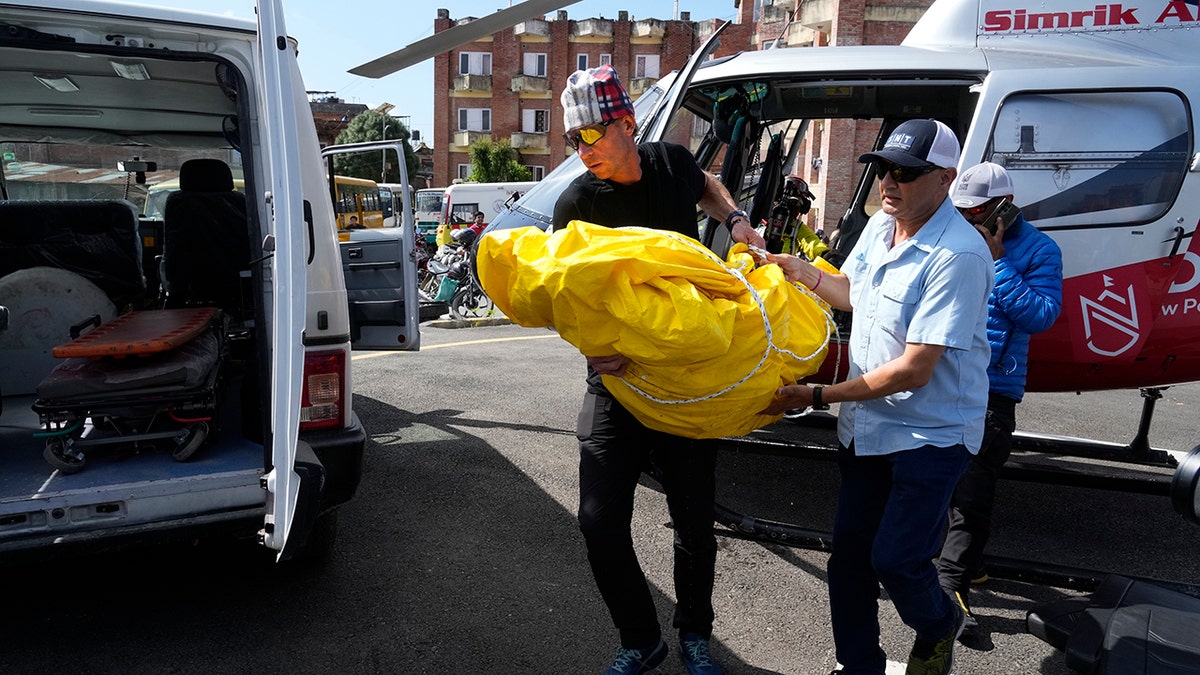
(710, 341)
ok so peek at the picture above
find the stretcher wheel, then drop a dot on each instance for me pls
(60, 457)
(187, 446)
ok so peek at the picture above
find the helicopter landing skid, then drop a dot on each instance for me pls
(1046, 459)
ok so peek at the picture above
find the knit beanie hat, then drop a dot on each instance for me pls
(594, 96)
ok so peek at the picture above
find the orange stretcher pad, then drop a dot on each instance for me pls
(140, 333)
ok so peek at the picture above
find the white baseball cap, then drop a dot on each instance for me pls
(980, 183)
(918, 143)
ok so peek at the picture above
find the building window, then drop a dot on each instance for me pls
(581, 62)
(464, 171)
(474, 63)
(646, 65)
(606, 59)
(535, 121)
(535, 64)
(538, 172)
(770, 44)
(474, 119)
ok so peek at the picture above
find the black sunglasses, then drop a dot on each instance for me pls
(902, 174)
(589, 136)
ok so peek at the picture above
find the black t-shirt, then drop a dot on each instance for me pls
(664, 199)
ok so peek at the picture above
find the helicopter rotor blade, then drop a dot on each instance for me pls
(458, 35)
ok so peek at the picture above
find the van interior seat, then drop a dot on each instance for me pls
(96, 239)
(206, 241)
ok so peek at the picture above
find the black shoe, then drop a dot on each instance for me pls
(971, 624)
(638, 661)
(937, 658)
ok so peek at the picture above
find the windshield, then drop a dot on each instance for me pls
(429, 201)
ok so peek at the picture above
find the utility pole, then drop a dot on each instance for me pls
(383, 109)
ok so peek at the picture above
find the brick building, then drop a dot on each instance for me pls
(506, 86)
(331, 115)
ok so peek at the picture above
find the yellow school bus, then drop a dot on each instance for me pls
(357, 205)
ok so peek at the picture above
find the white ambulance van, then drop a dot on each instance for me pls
(217, 400)
(461, 201)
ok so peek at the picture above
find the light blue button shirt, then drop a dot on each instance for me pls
(933, 290)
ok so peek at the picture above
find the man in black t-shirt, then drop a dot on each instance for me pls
(654, 185)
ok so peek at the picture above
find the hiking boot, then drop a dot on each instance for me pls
(696, 656)
(970, 625)
(638, 661)
(936, 658)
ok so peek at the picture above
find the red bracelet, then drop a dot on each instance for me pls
(820, 278)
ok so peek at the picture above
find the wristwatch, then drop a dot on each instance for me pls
(818, 403)
(733, 216)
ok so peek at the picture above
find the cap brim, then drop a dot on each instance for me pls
(969, 202)
(896, 157)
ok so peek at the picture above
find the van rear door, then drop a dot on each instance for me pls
(288, 283)
(380, 266)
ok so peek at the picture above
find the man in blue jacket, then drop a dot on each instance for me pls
(1026, 299)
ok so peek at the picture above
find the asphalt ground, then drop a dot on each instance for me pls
(460, 552)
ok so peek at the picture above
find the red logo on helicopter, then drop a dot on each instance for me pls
(1112, 322)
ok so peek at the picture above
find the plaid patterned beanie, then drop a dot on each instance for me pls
(593, 96)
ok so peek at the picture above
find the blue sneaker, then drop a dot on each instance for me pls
(696, 656)
(638, 661)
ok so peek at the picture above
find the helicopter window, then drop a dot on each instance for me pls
(1048, 143)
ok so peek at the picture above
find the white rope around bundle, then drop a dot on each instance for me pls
(768, 331)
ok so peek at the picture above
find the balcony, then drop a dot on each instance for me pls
(596, 28)
(774, 14)
(532, 28)
(482, 83)
(817, 15)
(704, 29)
(465, 139)
(648, 29)
(528, 140)
(528, 84)
(640, 85)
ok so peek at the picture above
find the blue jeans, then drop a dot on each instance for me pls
(887, 530)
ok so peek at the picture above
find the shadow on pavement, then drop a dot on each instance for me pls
(474, 570)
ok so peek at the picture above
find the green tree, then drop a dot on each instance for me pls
(372, 126)
(496, 162)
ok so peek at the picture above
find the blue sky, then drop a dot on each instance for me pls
(337, 35)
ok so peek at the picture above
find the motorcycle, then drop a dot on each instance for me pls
(451, 279)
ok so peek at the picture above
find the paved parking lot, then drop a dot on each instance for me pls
(460, 553)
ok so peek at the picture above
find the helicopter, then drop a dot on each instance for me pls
(1093, 113)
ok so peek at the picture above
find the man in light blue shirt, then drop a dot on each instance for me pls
(913, 408)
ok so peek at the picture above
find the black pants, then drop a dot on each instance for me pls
(972, 505)
(614, 449)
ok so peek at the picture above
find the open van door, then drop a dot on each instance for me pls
(288, 282)
(380, 265)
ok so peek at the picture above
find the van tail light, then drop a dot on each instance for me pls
(323, 400)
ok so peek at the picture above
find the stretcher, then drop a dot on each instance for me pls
(145, 379)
